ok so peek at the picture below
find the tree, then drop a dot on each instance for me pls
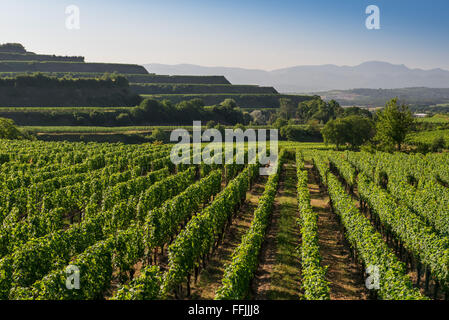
(149, 109)
(8, 130)
(317, 109)
(210, 124)
(220, 128)
(336, 132)
(303, 112)
(192, 109)
(353, 130)
(279, 123)
(287, 108)
(258, 117)
(393, 124)
(357, 111)
(158, 135)
(229, 103)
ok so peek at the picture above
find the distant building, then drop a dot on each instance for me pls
(420, 115)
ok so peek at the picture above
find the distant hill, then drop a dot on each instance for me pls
(377, 97)
(300, 79)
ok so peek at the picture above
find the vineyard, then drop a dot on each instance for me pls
(134, 226)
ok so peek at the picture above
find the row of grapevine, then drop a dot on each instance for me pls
(35, 258)
(28, 199)
(124, 248)
(426, 197)
(163, 223)
(429, 248)
(239, 273)
(313, 273)
(16, 230)
(418, 222)
(203, 232)
(366, 241)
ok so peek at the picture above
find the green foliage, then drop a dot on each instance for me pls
(394, 284)
(8, 130)
(145, 287)
(279, 123)
(203, 230)
(287, 108)
(353, 130)
(393, 124)
(303, 133)
(318, 109)
(238, 275)
(210, 124)
(438, 144)
(229, 103)
(427, 141)
(158, 135)
(243, 100)
(185, 112)
(220, 128)
(313, 274)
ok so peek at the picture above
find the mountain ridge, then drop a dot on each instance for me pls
(306, 79)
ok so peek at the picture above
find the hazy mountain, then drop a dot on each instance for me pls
(301, 79)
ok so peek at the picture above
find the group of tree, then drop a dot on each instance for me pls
(8, 130)
(184, 113)
(317, 109)
(387, 132)
(303, 122)
(352, 130)
(352, 127)
(147, 112)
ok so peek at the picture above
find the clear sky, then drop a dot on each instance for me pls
(262, 34)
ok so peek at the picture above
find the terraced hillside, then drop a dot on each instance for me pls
(132, 78)
(51, 66)
(16, 61)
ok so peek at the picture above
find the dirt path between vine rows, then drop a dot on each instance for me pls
(346, 282)
(210, 278)
(279, 272)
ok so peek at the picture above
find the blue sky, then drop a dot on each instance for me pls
(262, 34)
